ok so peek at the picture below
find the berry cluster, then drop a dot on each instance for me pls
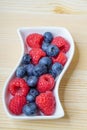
(35, 77)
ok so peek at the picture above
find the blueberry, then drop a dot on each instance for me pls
(39, 70)
(33, 106)
(32, 81)
(33, 92)
(30, 69)
(30, 98)
(26, 59)
(52, 50)
(25, 78)
(20, 72)
(29, 109)
(57, 66)
(25, 67)
(47, 61)
(52, 73)
(45, 46)
(56, 69)
(48, 37)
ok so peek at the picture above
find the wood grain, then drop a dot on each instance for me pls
(45, 6)
(73, 87)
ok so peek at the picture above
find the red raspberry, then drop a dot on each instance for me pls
(46, 102)
(16, 104)
(61, 58)
(36, 54)
(61, 43)
(34, 40)
(45, 83)
(18, 86)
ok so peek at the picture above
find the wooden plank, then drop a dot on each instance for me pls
(73, 87)
(45, 6)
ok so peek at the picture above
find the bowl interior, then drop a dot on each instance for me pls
(23, 33)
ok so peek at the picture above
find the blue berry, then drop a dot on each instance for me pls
(48, 37)
(30, 69)
(52, 73)
(20, 72)
(25, 78)
(57, 66)
(32, 81)
(30, 98)
(33, 92)
(56, 69)
(26, 59)
(47, 61)
(39, 70)
(33, 106)
(52, 50)
(45, 46)
(29, 109)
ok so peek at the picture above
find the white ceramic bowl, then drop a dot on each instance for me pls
(56, 31)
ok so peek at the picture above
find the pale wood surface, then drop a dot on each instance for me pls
(45, 6)
(73, 87)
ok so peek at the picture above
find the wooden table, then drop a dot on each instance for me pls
(73, 87)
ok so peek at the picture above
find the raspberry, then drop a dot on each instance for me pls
(61, 58)
(61, 43)
(46, 82)
(16, 104)
(34, 40)
(36, 54)
(18, 86)
(46, 102)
